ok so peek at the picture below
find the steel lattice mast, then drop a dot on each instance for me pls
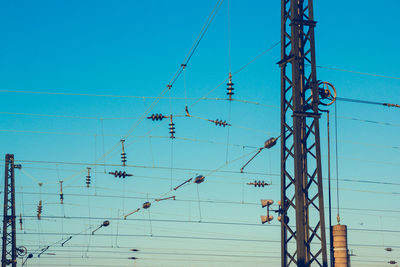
(301, 174)
(9, 248)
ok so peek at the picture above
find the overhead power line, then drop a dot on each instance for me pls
(367, 102)
(191, 222)
(359, 72)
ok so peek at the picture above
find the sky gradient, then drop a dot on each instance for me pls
(132, 49)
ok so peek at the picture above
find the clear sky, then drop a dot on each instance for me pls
(133, 49)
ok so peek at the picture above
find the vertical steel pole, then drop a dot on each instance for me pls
(301, 173)
(9, 248)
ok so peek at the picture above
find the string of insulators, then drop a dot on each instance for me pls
(391, 105)
(220, 122)
(258, 183)
(120, 174)
(88, 177)
(61, 193)
(199, 179)
(157, 117)
(270, 142)
(230, 88)
(171, 127)
(20, 221)
(123, 154)
(146, 205)
(39, 210)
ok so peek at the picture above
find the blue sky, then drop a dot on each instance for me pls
(133, 48)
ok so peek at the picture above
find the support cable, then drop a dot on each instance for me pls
(337, 165)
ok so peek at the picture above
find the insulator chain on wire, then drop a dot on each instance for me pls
(20, 221)
(120, 174)
(259, 183)
(88, 177)
(171, 127)
(199, 179)
(230, 88)
(220, 122)
(157, 117)
(146, 205)
(61, 193)
(391, 105)
(123, 154)
(39, 210)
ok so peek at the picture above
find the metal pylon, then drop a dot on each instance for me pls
(301, 174)
(9, 248)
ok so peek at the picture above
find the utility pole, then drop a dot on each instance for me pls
(9, 248)
(301, 174)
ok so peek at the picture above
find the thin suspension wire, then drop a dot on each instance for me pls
(172, 143)
(329, 190)
(230, 70)
(229, 36)
(184, 86)
(359, 72)
(242, 179)
(95, 167)
(172, 162)
(198, 202)
(337, 165)
(228, 131)
(150, 143)
(102, 135)
(383, 238)
(138, 97)
(150, 222)
(188, 170)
